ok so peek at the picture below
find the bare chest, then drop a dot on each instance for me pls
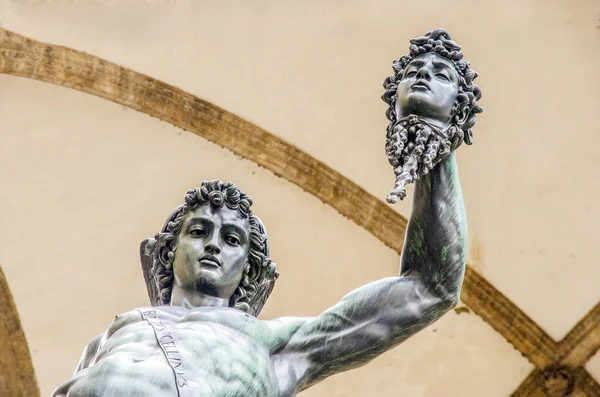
(216, 354)
(221, 362)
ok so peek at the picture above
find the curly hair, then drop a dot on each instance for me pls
(465, 107)
(259, 272)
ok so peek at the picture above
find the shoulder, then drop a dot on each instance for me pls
(123, 320)
(89, 352)
(95, 344)
(120, 321)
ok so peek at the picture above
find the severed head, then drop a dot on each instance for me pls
(432, 107)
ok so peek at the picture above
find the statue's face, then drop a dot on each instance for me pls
(212, 249)
(428, 88)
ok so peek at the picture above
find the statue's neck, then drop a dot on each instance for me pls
(440, 125)
(193, 299)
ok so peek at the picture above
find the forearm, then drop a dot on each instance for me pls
(436, 237)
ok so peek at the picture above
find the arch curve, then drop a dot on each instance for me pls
(17, 374)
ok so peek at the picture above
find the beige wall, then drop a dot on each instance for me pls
(89, 179)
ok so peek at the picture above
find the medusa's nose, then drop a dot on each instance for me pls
(424, 74)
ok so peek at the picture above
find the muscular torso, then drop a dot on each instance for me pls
(223, 352)
(227, 353)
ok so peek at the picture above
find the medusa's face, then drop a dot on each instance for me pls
(428, 88)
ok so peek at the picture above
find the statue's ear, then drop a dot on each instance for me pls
(461, 110)
(462, 114)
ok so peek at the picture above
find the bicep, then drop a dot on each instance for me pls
(363, 325)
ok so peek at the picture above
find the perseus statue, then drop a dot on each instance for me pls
(209, 273)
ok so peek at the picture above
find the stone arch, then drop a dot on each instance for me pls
(18, 378)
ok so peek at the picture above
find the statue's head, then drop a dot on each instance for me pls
(215, 245)
(433, 81)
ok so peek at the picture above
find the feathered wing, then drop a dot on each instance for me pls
(260, 298)
(146, 260)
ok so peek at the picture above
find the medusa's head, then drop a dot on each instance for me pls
(432, 106)
(433, 81)
(212, 244)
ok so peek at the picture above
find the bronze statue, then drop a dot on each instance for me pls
(209, 274)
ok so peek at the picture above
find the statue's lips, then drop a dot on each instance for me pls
(210, 260)
(421, 85)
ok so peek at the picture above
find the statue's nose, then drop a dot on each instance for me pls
(423, 74)
(212, 248)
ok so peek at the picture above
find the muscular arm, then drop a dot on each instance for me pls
(380, 315)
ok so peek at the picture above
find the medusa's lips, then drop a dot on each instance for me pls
(421, 85)
(210, 260)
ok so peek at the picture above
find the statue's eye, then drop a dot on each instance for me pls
(442, 76)
(233, 240)
(198, 232)
(411, 73)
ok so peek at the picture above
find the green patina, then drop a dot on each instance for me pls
(417, 242)
(449, 166)
(444, 253)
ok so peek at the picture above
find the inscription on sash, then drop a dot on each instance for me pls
(165, 340)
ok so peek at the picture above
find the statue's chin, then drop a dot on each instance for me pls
(424, 103)
(417, 103)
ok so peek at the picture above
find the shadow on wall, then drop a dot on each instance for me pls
(17, 378)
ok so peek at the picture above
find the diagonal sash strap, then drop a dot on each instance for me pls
(165, 339)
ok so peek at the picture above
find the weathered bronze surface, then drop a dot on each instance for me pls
(209, 273)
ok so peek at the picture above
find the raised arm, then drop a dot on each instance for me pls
(380, 315)
(436, 237)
